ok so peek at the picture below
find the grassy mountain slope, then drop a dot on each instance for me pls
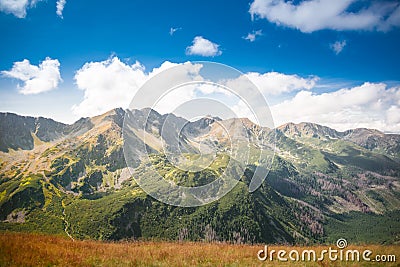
(73, 179)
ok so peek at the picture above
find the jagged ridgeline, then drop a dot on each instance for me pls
(73, 179)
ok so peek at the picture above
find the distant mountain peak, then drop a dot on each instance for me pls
(150, 111)
(364, 131)
(115, 115)
(308, 129)
(16, 131)
(205, 121)
(370, 139)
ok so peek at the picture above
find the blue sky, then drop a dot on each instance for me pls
(344, 49)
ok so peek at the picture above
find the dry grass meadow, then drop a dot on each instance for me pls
(21, 249)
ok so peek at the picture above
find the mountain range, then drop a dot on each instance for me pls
(73, 179)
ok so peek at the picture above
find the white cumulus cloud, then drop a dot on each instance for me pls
(242, 110)
(107, 84)
(173, 99)
(371, 105)
(252, 36)
(203, 47)
(112, 83)
(36, 79)
(60, 7)
(274, 83)
(314, 15)
(17, 7)
(338, 46)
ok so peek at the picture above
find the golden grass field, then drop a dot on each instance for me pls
(22, 249)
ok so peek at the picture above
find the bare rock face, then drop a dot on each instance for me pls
(16, 131)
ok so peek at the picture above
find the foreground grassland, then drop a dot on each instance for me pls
(21, 249)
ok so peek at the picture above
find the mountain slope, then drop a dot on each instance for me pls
(73, 179)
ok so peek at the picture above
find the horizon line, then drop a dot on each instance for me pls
(209, 116)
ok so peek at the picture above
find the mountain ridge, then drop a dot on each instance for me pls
(80, 180)
(362, 136)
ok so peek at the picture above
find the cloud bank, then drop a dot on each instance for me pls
(314, 15)
(370, 105)
(274, 83)
(113, 83)
(110, 84)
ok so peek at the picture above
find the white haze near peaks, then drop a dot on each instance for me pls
(370, 105)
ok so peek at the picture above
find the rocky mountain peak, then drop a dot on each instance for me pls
(307, 129)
